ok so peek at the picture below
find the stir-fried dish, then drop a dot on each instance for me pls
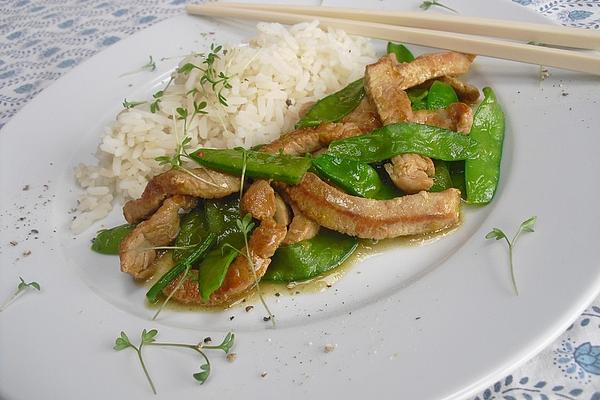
(390, 155)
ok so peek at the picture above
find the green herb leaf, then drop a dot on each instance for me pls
(122, 342)
(529, 224)
(148, 336)
(182, 112)
(426, 5)
(203, 375)
(227, 343)
(130, 104)
(186, 68)
(495, 234)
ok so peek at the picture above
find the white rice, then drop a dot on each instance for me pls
(273, 78)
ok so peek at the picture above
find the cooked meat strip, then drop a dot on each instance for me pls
(411, 172)
(282, 214)
(308, 140)
(136, 253)
(212, 184)
(374, 219)
(457, 117)
(383, 84)
(364, 116)
(465, 92)
(263, 243)
(259, 200)
(301, 228)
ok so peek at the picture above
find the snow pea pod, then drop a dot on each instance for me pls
(193, 230)
(279, 167)
(198, 252)
(309, 258)
(213, 269)
(441, 179)
(391, 140)
(482, 172)
(402, 53)
(356, 178)
(335, 106)
(418, 98)
(440, 95)
(108, 240)
(221, 216)
(457, 174)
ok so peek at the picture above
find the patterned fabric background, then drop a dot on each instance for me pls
(42, 39)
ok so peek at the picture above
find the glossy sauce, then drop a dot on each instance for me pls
(366, 248)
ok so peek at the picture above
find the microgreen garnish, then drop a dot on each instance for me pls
(426, 5)
(147, 338)
(154, 106)
(21, 288)
(149, 66)
(130, 104)
(218, 81)
(526, 226)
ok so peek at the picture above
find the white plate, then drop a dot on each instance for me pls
(425, 322)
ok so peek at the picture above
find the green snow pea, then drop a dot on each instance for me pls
(440, 95)
(192, 231)
(482, 172)
(335, 106)
(354, 177)
(198, 252)
(280, 167)
(403, 54)
(213, 269)
(418, 98)
(108, 240)
(309, 258)
(441, 179)
(457, 174)
(221, 216)
(394, 139)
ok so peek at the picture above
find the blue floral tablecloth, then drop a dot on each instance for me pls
(40, 40)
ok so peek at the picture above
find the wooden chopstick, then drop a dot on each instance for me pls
(527, 32)
(558, 58)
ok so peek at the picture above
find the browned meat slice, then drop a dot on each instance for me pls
(205, 183)
(383, 84)
(412, 173)
(282, 214)
(465, 92)
(259, 200)
(301, 228)
(308, 140)
(364, 116)
(136, 251)
(433, 65)
(457, 117)
(375, 219)
(265, 239)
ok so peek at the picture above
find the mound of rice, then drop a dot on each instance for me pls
(275, 76)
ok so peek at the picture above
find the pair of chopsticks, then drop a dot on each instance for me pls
(463, 34)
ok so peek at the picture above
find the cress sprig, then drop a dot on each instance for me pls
(147, 338)
(426, 5)
(21, 288)
(217, 80)
(526, 226)
(149, 66)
